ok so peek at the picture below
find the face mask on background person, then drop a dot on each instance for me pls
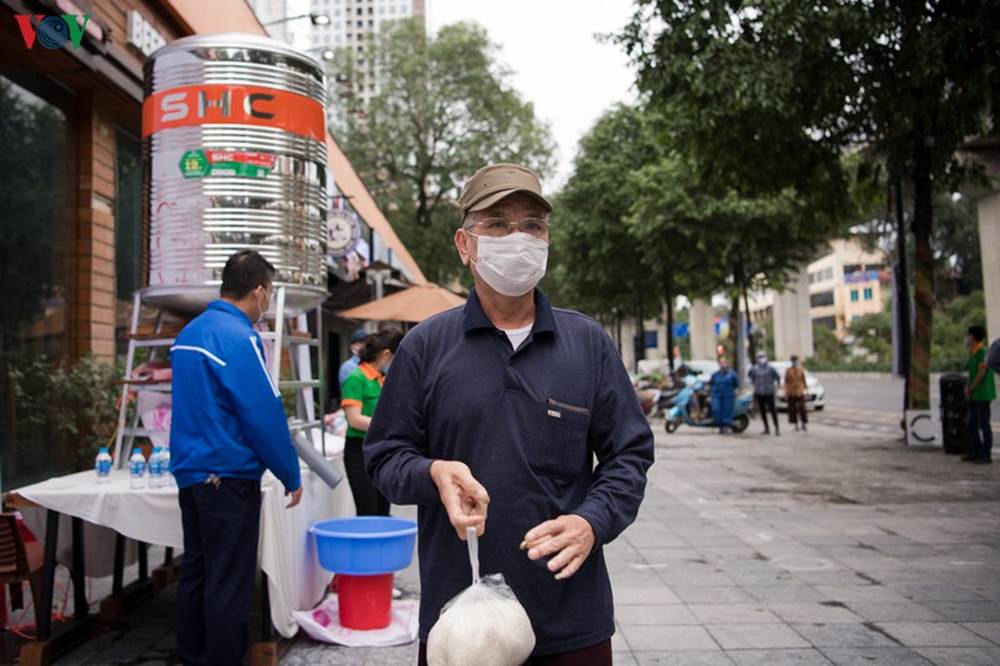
(513, 264)
(264, 308)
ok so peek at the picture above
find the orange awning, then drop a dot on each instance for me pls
(410, 305)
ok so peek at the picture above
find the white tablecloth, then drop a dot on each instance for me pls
(286, 551)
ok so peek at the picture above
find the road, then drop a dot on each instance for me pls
(876, 398)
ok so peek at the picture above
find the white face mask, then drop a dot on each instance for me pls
(513, 264)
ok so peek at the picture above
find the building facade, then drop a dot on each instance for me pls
(354, 24)
(845, 284)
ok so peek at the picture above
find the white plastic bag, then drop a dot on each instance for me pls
(484, 625)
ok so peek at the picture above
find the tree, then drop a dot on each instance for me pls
(444, 107)
(775, 90)
(599, 262)
(956, 242)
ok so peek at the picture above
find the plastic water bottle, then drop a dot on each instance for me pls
(156, 468)
(103, 465)
(168, 478)
(137, 470)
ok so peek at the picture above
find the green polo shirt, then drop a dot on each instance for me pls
(987, 390)
(362, 388)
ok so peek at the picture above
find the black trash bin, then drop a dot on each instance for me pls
(953, 413)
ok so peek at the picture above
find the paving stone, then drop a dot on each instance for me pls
(894, 611)
(962, 656)
(733, 614)
(966, 611)
(660, 594)
(654, 615)
(844, 635)
(749, 636)
(988, 630)
(711, 595)
(869, 656)
(778, 658)
(647, 639)
(813, 612)
(682, 658)
(786, 593)
(932, 634)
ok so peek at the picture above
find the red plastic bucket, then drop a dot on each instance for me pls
(365, 601)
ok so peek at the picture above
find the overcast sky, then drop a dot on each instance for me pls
(558, 63)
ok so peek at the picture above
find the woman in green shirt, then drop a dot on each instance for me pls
(359, 395)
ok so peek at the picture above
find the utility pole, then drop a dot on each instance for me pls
(902, 295)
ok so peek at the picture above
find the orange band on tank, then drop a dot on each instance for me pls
(219, 103)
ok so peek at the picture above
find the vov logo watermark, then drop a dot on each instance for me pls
(52, 32)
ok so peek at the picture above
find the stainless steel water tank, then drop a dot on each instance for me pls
(234, 146)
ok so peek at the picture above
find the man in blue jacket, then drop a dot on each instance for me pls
(228, 426)
(724, 384)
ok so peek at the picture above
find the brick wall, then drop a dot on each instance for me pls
(94, 306)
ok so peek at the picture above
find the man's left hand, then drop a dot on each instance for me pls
(968, 393)
(568, 539)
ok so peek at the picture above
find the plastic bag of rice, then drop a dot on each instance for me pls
(484, 625)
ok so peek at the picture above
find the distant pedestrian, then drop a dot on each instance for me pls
(724, 384)
(980, 391)
(795, 393)
(361, 392)
(765, 380)
(352, 363)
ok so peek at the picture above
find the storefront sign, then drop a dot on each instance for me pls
(343, 232)
(142, 35)
(218, 103)
(200, 163)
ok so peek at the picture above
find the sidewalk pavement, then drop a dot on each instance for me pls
(836, 546)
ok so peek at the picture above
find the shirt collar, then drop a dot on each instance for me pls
(369, 371)
(226, 306)
(977, 347)
(476, 319)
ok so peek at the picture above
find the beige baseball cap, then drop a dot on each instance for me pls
(496, 181)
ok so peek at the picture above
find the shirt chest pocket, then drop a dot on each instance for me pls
(553, 434)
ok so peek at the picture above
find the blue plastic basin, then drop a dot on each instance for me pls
(366, 545)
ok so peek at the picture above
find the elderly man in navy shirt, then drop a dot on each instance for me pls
(506, 403)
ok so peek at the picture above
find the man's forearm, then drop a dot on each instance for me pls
(974, 384)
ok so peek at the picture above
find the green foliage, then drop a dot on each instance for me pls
(75, 403)
(772, 93)
(949, 350)
(444, 108)
(873, 334)
(828, 350)
(600, 265)
(956, 242)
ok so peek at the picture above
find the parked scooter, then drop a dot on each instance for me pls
(683, 404)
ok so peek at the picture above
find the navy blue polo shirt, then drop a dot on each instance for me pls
(529, 423)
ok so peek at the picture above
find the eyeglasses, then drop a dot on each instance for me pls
(500, 226)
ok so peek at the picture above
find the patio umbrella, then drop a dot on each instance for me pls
(411, 305)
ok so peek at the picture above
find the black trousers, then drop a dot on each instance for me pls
(368, 501)
(221, 524)
(797, 410)
(765, 403)
(980, 431)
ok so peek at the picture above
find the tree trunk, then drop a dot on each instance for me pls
(749, 324)
(668, 296)
(902, 293)
(923, 226)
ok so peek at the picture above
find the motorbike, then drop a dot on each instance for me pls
(680, 411)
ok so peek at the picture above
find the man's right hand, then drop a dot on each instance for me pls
(464, 498)
(296, 496)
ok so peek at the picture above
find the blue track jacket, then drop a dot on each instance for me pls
(228, 419)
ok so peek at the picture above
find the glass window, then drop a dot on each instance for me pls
(821, 299)
(37, 215)
(129, 251)
(869, 294)
(854, 295)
